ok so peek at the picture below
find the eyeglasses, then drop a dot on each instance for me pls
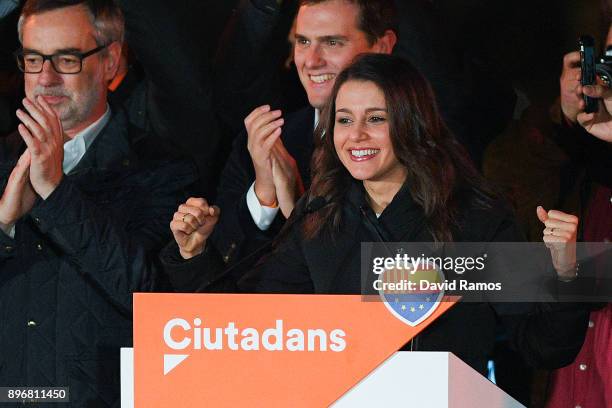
(63, 63)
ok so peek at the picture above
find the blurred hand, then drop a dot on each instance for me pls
(192, 224)
(263, 128)
(559, 235)
(599, 123)
(19, 196)
(571, 90)
(286, 177)
(42, 132)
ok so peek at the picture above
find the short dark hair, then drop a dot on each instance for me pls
(105, 16)
(375, 16)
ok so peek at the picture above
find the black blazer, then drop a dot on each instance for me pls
(236, 235)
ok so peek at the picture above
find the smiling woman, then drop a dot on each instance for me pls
(363, 144)
(382, 129)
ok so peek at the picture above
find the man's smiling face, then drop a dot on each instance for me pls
(327, 39)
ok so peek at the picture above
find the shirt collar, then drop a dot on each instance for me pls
(317, 116)
(75, 148)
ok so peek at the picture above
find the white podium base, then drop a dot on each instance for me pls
(127, 377)
(426, 379)
(406, 379)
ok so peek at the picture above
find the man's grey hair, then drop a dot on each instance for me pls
(105, 16)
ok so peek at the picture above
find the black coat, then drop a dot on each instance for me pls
(236, 235)
(66, 280)
(545, 335)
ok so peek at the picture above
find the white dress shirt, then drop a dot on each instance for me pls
(262, 215)
(75, 148)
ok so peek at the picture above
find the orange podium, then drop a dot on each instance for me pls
(194, 350)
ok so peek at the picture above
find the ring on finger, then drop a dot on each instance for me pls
(184, 215)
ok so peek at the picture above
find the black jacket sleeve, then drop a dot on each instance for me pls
(236, 235)
(283, 270)
(116, 252)
(7, 248)
(550, 335)
(546, 334)
(11, 148)
(202, 273)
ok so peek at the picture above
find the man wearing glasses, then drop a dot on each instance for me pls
(85, 205)
(65, 61)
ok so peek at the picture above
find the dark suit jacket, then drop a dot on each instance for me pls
(236, 235)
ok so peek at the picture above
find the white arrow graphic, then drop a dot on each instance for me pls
(172, 360)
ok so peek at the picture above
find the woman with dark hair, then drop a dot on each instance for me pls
(385, 169)
(418, 145)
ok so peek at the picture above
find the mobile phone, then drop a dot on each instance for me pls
(587, 64)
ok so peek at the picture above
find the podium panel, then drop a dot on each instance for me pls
(268, 350)
(226, 350)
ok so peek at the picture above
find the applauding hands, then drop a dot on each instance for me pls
(39, 169)
(42, 132)
(286, 178)
(277, 179)
(19, 196)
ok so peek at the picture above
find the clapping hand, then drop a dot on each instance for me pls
(286, 177)
(264, 129)
(19, 196)
(42, 132)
